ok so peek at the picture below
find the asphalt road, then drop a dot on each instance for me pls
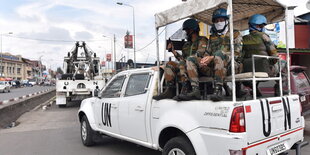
(56, 131)
(18, 92)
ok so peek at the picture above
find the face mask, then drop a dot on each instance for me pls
(220, 25)
(253, 27)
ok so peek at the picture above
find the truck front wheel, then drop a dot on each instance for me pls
(87, 132)
(178, 146)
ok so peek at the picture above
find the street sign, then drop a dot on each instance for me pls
(109, 57)
(128, 41)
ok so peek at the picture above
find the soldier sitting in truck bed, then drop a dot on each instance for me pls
(185, 71)
(219, 48)
(258, 43)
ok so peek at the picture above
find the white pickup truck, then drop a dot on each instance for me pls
(126, 110)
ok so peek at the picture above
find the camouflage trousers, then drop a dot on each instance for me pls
(175, 71)
(184, 71)
(191, 70)
(216, 68)
(194, 70)
(276, 69)
(238, 66)
(264, 65)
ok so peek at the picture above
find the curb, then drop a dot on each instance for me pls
(45, 103)
(23, 97)
(12, 111)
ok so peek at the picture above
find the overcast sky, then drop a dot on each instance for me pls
(50, 27)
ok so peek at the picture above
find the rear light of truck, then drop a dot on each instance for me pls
(237, 152)
(237, 122)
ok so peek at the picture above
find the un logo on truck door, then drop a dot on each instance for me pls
(106, 114)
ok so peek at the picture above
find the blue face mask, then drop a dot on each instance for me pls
(253, 27)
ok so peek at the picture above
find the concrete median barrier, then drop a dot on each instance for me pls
(11, 111)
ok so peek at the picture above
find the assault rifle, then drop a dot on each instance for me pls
(178, 45)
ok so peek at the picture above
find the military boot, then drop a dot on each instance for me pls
(276, 90)
(193, 95)
(186, 88)
(217, 95)
(168, 93)
(239, 91)
(227, 90)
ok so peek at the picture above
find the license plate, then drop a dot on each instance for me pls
(276, 149)
(302, 98)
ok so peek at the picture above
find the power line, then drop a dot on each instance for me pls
(72, 41)
(38, 39)
(150, 42)
(49, 40)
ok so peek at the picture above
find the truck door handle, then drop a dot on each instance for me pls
(138, 108)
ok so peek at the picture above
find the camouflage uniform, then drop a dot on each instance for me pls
(258, 43)
(197, 50)
(219, 46)
(187, 68)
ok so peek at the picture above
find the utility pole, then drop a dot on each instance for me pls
(134, 32)
(113, 50)
(114, 41)
(40, 67)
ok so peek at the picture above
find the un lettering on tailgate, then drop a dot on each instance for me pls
(272, 116)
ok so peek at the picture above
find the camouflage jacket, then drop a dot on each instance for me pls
(197, 47)
(258, 43)
(222, 43)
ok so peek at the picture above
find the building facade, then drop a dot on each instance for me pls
(18, 68)
(12, 66)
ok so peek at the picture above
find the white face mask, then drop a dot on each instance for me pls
(220, 25)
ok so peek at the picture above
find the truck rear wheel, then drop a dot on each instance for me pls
(87, 132)
(178, 146)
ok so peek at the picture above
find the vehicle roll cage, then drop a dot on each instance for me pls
(160, 22)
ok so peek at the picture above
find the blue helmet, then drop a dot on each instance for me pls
(219, 13)
(257, 19)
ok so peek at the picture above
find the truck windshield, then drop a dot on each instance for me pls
(301, 81)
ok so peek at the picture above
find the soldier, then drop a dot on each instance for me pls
(258, 43)
(194, 47)
(219, 49)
